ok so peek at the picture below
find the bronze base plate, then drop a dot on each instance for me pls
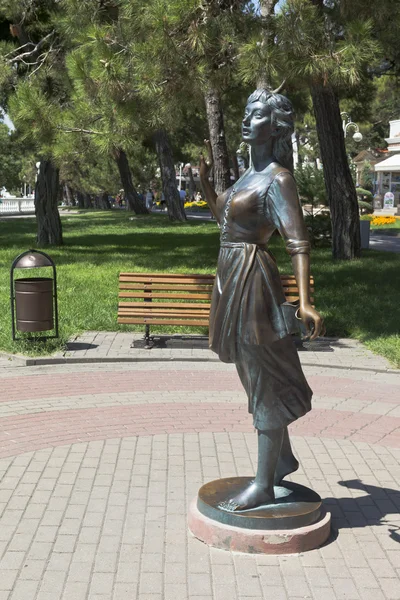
(295, 505)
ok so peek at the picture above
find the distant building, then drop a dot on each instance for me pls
(372, 156)
(388, 170)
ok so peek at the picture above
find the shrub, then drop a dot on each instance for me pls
(319, 227)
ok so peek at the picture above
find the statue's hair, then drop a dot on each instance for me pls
(282, 119)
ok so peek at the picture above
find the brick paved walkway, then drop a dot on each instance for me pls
(98, 463)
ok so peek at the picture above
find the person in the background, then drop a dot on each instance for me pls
(182, 195)
(163, 202)
(149, 200)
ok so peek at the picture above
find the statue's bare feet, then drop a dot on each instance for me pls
(251, 497)
(284, 468)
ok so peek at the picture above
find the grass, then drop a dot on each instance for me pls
(358, 299)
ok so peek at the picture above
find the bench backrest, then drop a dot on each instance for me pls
(176, 298)
(181, 286)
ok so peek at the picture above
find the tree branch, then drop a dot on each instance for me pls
(22, 56)
(78, 130)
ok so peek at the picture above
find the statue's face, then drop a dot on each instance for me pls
(256, 125)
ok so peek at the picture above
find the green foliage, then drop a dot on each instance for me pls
(320, 46)
(363, 197)
(319, 229)
(11, 152)
(365, 207)
(36, 116)
(364, 193)
(311, 185)
(367, 177)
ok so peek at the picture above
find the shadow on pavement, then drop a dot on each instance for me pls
(371, 509)
(74, 346)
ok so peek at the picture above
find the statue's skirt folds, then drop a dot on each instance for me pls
(247, 328)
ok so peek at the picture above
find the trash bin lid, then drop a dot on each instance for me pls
(33, 259)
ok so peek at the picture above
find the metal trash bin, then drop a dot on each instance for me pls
(34, 304)
(34, 299)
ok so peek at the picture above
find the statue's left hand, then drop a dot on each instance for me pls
(312, 321)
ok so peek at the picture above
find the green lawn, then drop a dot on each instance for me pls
(358, 299)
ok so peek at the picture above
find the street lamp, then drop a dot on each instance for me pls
(181, 165)
(346, 123)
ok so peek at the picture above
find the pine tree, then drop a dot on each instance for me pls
(315, 45)
(34, 60)
(188, 51)
(331, 54)
(102, 106)
(11, 153)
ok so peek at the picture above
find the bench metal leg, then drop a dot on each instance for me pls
(146, 342)
(147, 338)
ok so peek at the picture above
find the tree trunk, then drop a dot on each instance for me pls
(132, 199)
(299, 156)
(104, 202)
(176, 211)
(69, 197)
(339, 184)
(46, 205)
(80, 199)
(192, 184)
(235, 166)
(215, 118)
(267, 11)
(87, 201)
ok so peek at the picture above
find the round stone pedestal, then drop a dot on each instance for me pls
(295, 523)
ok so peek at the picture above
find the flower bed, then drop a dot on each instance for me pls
(383, 221)
(196, 204)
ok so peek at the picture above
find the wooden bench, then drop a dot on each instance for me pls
(175, 299)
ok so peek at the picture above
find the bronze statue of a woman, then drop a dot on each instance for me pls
(247, 321)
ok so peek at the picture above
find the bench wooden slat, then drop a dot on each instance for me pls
(204, 280)
(158, 295)
(170, 314)
(183, 305)
(158, 321)
(170, 275)
(295, 290)
(164, 286)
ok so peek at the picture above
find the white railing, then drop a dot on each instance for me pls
(17, 205)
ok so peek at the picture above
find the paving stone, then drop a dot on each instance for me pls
(107, 517)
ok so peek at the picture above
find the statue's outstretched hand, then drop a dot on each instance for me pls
(206, 166)
(312, 321)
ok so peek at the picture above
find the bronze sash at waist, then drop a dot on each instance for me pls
(246, 244)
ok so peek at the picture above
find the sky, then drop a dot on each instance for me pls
(257, 4)
(6, 119)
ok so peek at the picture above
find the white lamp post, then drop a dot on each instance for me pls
(181, 165)
(346, 123)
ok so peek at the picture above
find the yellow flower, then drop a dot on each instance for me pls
(383, 220)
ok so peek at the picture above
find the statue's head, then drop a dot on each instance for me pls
(270, 115)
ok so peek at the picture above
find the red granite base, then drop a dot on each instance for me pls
(253, 541)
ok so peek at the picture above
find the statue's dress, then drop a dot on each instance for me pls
(247, 326)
